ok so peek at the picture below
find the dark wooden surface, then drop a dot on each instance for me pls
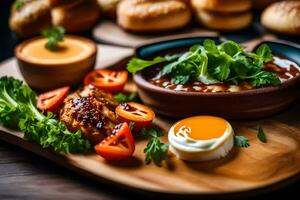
(24, 175)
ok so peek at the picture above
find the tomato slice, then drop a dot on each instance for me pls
(109, 80)
(141, 115)
(52, 100)
(119, 145)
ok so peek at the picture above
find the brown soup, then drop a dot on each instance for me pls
(282, 67)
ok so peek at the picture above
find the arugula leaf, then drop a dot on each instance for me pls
(155, 150)
(264, 78)
(230, 48)
(54, 36)
(241, 141)
(261, 135)
(211, 63)
(19, 4)
(18, 110)
(264, 53)
(136, 64)
(122, 97)
(210, 46)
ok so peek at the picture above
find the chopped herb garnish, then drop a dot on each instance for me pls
(54, 36)
(19, 4)
(122, 97)
(211, 63)
(241, 141)
(261, 135)
(155, 150)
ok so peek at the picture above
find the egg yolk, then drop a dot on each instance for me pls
(203, 127)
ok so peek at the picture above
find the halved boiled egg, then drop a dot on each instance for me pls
(201, 138)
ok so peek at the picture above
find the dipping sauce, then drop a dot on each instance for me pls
(70, 50)
(282, 67)
(201, 138)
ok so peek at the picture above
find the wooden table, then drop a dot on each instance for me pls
(24, 175)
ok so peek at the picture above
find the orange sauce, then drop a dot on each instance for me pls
(70, 49)
(203, 127)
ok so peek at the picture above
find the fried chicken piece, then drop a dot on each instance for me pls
(92, 111)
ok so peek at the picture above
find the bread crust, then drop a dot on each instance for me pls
(109, 7)
(282, 17)
(153, 15)
(224, 22)
(225, 6)
(77, 16)
(31, 19)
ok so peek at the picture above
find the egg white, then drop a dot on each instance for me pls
(189, 149)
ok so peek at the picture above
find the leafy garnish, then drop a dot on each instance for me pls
(19, 4)
(54, 36)
(212, 63)
(122, 97)
(155, 150)
(261, 135)
(18, 110)
(241, 141)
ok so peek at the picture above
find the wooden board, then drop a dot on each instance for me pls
(109, 32)
(256, 167)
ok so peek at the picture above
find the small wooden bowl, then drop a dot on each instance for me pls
(46, 76)
(247, 104)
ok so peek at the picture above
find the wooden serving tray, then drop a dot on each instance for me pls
(258, 167)
(109, 32)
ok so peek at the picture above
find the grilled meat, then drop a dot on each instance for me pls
(92, 111)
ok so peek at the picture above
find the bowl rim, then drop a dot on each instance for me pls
(20, 57)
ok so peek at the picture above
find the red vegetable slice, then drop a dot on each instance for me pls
(141, 115)
(52, 100)
(119, 145)
(109, 80)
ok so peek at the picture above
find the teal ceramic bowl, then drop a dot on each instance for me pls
(255, 103)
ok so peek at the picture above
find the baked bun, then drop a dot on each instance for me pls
(76, 16)
(153, 15)
(282, 17)
(222, 5)
(109, 7)
(31, 18)
(224, 22)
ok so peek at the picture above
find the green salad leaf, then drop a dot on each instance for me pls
(212, 63)
(18, 111)
(123, 97)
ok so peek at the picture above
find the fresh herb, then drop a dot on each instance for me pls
(131, 125)
(18, 110)
(155, 150)
(19, 4)
(241, 141)
(135, 64)
(261, 135)
(54, 36)
(122, 97)
(211, 63)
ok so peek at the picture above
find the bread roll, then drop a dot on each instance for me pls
(76, 16)
(222, 5)
(31, 18)
(282, 17)
(224, 22)
(109, 7)
(152, 15)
